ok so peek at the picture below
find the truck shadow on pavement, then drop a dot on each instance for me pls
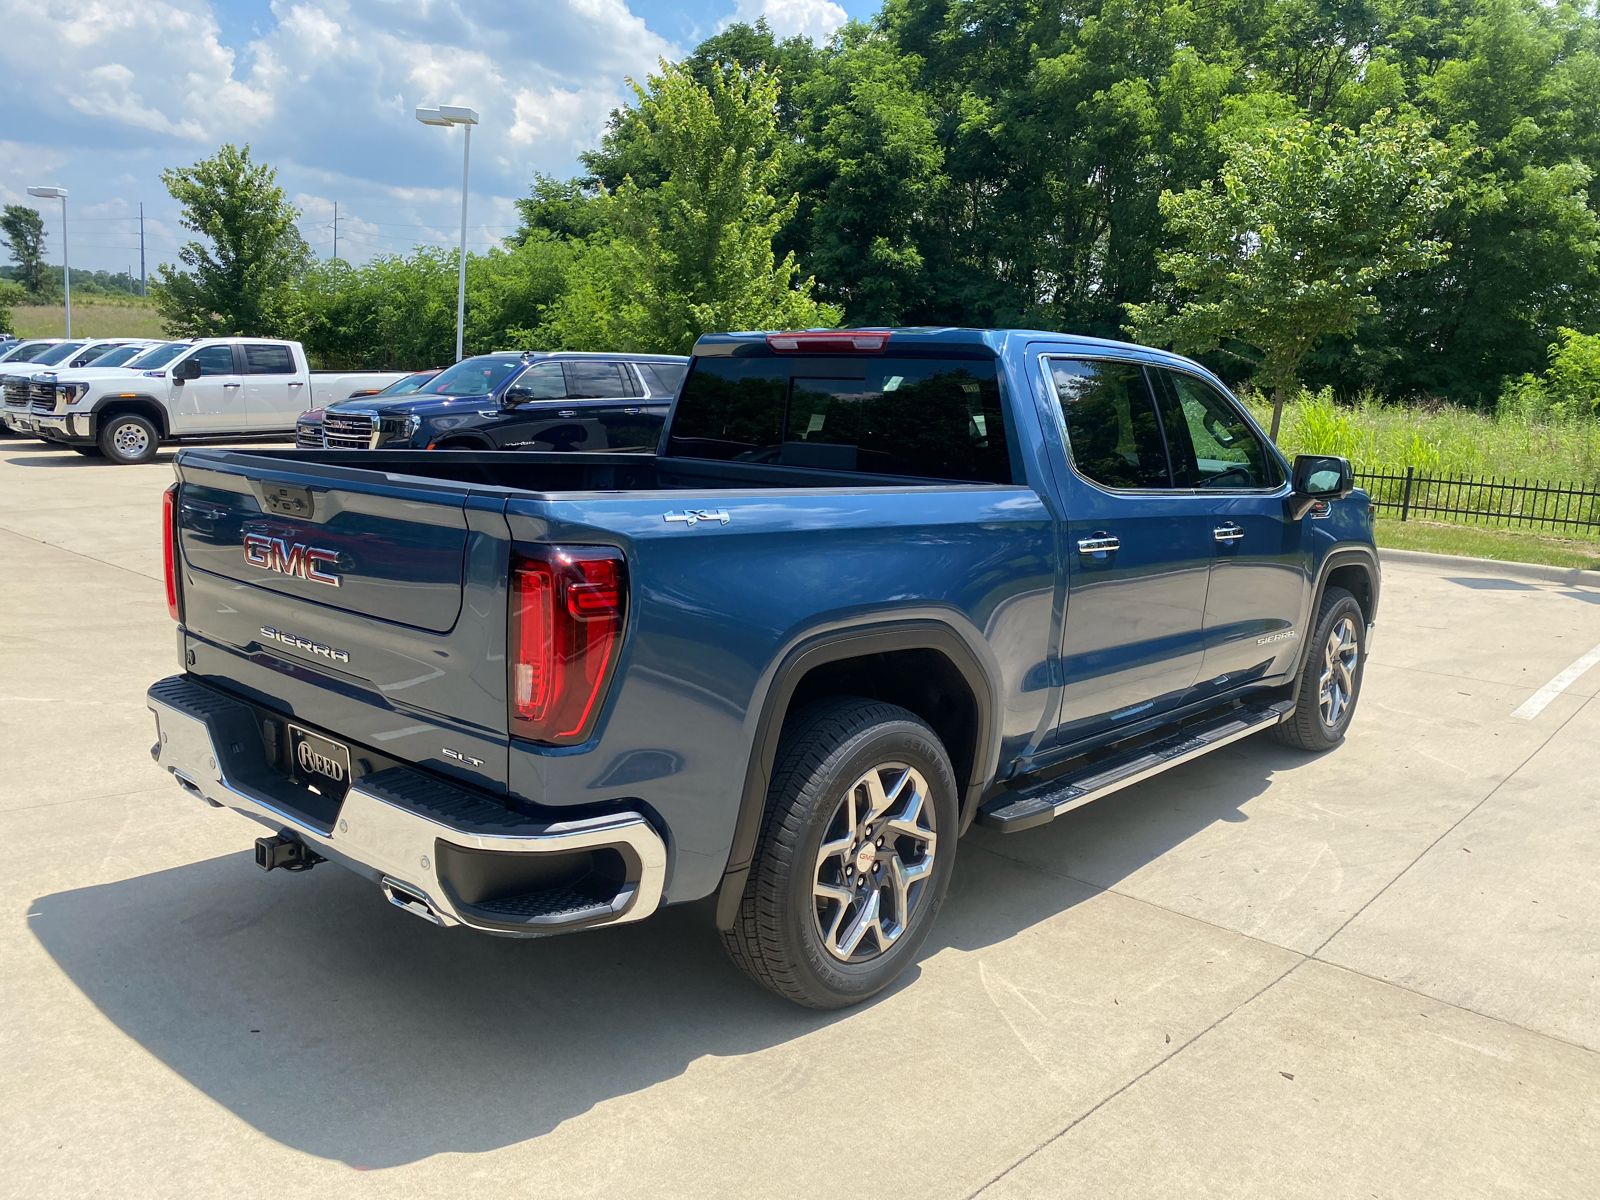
(345, 1028)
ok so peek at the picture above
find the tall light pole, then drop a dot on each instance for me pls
(60, 193)
(448, 115)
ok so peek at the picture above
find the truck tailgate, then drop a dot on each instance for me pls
(359, 602)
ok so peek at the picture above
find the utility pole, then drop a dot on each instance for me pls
(141, 249)
(336, 229)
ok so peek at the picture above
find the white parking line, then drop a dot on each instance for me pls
(1537, 701)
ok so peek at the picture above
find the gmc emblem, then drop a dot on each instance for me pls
(303, 562)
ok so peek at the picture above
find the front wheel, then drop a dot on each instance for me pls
(1330, 681)
(854, 856)
(129, 438)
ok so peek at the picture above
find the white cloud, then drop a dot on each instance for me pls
(323, 89)
(816, 19)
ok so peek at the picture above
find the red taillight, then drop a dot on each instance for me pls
(169, 548)
(568, 609)
(829, 341)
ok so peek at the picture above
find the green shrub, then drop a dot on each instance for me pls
(1526, 438)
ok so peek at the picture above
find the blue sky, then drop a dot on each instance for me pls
(100, 99)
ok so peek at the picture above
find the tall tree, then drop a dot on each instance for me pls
(1286, 247)
(11, 295)
(694, 253)
(24, 230)
(238, 283)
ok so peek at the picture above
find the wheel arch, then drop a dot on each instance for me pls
(462, 441)
(925, 666)
(1354, 567)
(144, 406)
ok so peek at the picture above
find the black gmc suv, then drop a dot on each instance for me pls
(563, 400)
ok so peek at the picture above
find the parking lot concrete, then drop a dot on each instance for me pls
(1373, 972)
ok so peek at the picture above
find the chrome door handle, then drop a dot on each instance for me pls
(1229, 533)
(297, 383)
(566, 412)
(1099, 543)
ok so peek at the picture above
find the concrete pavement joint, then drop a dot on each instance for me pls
(1313, 956)
(76, 553)
(1151, 1069)
(1510, 775)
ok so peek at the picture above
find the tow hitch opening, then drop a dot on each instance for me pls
(287, 852)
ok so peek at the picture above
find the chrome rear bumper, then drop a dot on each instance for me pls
(430, 845)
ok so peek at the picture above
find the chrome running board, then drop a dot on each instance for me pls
(1041, 803)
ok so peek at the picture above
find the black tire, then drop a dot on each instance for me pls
(89, 451)
(127, 438)
(1329, 674)
(823, 762)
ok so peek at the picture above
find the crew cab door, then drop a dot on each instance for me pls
(272, 392)
(213, 403)
(518, 428)
(1261, 569)
(1138, 550)
(628, 419)
(577, 404)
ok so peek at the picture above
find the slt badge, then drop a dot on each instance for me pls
(693, 516)
(303, 562)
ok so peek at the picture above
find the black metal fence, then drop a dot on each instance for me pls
(1513, 503)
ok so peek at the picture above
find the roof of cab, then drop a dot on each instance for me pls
(755, 344)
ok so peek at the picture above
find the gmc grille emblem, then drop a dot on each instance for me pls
(303, 562)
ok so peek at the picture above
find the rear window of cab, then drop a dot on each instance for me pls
(924, 417)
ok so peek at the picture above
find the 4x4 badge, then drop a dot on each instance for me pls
(693, 516)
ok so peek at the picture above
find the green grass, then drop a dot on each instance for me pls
(1505, 545)
(1439, 440)
(92, 316)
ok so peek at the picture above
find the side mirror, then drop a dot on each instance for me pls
(515, 395)
(189, 368)
(1320, 477)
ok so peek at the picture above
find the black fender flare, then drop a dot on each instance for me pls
(853, 641)
(138, 402)
(1345, 554)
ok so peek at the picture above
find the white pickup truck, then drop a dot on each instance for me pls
(207, 388)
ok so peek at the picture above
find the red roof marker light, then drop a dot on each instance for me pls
(829, 341)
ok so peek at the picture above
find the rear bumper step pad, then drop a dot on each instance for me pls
(1044, 802)
(401, 826)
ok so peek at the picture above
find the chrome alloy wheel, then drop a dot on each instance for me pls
(1337, 686)
(130, 440)
(874, 863)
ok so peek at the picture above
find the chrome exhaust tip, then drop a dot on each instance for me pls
(403, 895)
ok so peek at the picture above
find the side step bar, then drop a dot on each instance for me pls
(1044, 802)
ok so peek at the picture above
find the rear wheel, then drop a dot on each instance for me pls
(127, 437)
(854, 855)
(1330, 681)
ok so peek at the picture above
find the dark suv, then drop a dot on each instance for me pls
(564, 400)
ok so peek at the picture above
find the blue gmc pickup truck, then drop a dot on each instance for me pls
(873, 587)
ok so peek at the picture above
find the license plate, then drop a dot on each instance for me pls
(318, 761)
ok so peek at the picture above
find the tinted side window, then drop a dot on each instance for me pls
(731, 408)
(663, 379)
(267, 359)
(91, 355)
(1212, 444)
(545, 381)
(594, 381)
(1111, 423)
(215, 360)
(936, 418)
